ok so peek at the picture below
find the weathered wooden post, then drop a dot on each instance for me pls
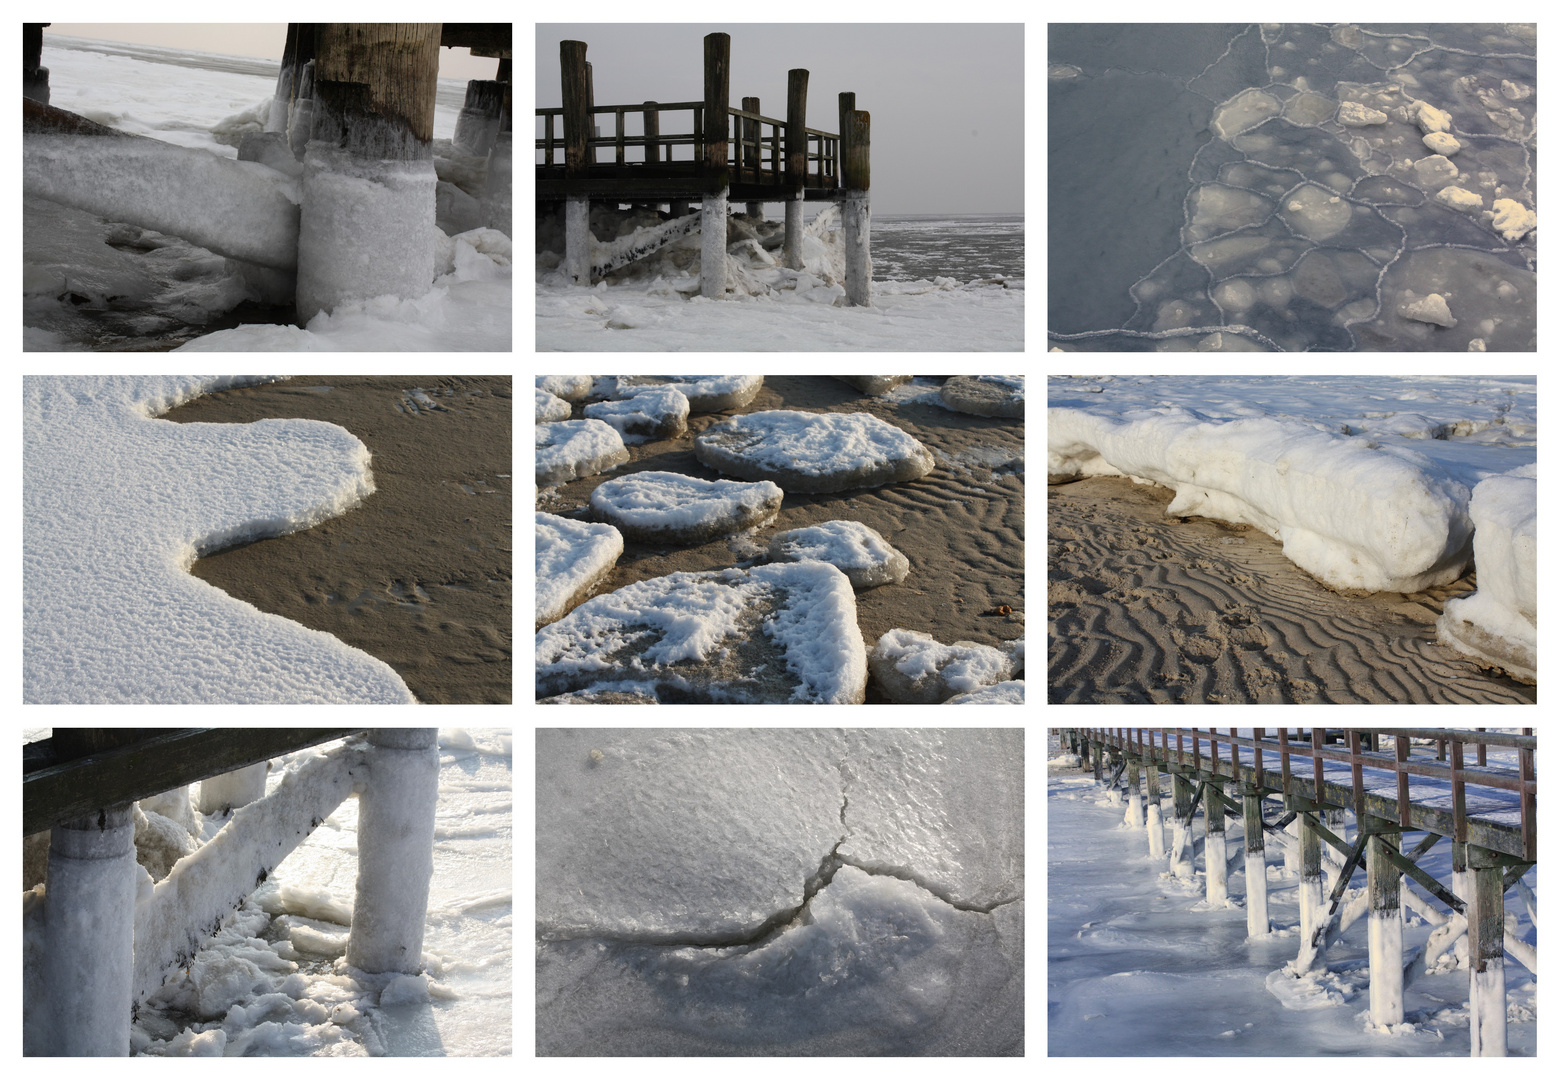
(847, 106)
(477, 127)
(858, 216)
(1386, 921)
(717, 100)
(368, 203)
(576, 133)
(35, 77)
(1099, 762)
(1215, 846)
(1134, 794)
(1156, 821)
(1256, 864)
(1181, 837)
(395, 850)
(1486, 956)
(795, 164)
(1292, 847)
(749, 155)
(1310, 889)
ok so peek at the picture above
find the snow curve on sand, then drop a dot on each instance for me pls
(118, 505)
(1352, 512)
(1498, 624)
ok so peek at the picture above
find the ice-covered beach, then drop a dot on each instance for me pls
(1292, 538)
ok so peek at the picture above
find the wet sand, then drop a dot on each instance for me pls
(961, 525)
(421, 574)
(1144, 608)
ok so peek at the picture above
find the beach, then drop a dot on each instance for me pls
(1144, 608)
(961, 525)
(419, 575)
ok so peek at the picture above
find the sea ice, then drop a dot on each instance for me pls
(859, 552)
(672, 508)
(914, 669)
(572, 558)
(572, 449)
(118, 505)
(550, 408)
(779, 633)
(568, 387)
(705, 393)
(986, 395)
(1430, 309)
(659, 412)
(1513, 220)
(1498, 624)
(813, 452)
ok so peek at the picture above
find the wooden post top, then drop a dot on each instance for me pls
(858, 151)
(717, 99)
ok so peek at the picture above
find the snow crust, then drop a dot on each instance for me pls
(650, 413)
(1002, 693)
(550, 408)
(859, 552)
(572, 449)
(572, 557)
(118, 505)
(914, 668)
(1498, 624)
(813, 452)
(674, 508)
(705, 393)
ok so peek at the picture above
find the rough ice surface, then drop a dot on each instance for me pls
(572, 558)
(874, 385)
(780, 633)
(705, 393)
(673, 508)
(813, 452)
(652, 413)
(858, 551)
(118, 505)
(571, 449)
(986, 395)
(1199, 137)
(550, 408)
(913, 668)
(568, 387)
(1002, 693)
(1498, 624)
(779, 892)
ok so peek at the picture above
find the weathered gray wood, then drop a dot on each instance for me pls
(1215, 848)
(1181, 841)
(576, 98)
(717, 99)
(1486, 957)
(1134, 794)
(652, 125)
(374, 88)
(1386, 923)
(796, 128)
(1156, 823)
(1310, 878)
(1257, 923)
(858, 153)
(847, 106)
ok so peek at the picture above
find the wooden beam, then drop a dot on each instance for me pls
(483, 39)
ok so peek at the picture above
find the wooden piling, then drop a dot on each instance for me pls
(1134, 795)
(858, 215)
(1215, 846)
(1156, 821)
(847, 106)
(1386, 921)
(795, 163)
(717, 100)
(1486, 956)
(1257, 923)
(576, 133)
(35, 77)
(1310, 889)
(1181, 838)
(477, 126)
(749, 154)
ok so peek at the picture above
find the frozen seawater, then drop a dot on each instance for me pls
(1231, 187)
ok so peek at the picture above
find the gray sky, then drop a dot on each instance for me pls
(947, 100)
(265, 40)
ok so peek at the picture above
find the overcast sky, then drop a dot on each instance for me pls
(947, 100)
(265, 40)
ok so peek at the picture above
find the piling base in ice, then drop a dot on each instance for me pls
(712, 253)
(858, 249)
(1216, 854)
(1487, 1009)
(366, 229)
(498, 207)
(1256, 894)
(1386, 967)
(234, 789)
(793, 234)
(1156, 832)
(576, 250)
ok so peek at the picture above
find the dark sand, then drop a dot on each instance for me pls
(421, 574)
(961, 525)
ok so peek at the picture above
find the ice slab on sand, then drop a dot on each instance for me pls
(781, 633)
(1353, 512)
(572, 557)
(986, 395)
(672, 508)
(1498, 624)
(118, 505)
(568, 387)
(659, 412)
(705, 393)
(913, 668)
(873, 385)
(858, 551)
(550, 408)
(813, 452)
(572, 449)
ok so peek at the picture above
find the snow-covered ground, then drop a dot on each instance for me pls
(273, 981)
(1139, 964)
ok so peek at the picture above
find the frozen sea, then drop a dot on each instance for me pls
(1275, 187)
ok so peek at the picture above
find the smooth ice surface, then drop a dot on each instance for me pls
(1498, 624)
(780, 633)
(673, 508)
(914, 668)
(813, 452)
(571, 558)
(571, 449)
(117, 505)
(1366, 481)
(1271, 188)
(859, 552)
(986, 395)
(879, 875)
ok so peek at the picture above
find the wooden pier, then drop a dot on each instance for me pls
(1392, 788)
(717, 154)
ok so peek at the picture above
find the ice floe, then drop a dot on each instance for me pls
(572, 558)
(986, 395)
(550, 407)
(780, 633)
(859, 552)
(669, 508)
(813, 452)
(568, 387)
(705, 393)
(913, 668)
(656, 412)
(572, 449)
(1498, 624)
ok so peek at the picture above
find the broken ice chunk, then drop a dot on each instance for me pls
(1442, 143)
(1516, 91)
(1513, 220)
(1353, 114)
(1434, 171)
(1433, 119)
(1459, 199)
(1430, 309)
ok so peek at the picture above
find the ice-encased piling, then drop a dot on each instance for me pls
(1215, 848)
(477, 126)
(857, 172)
(712, 246)
(717, 126)
(795, 164)
(395, 850)
(89, 934)
(369, 183)
(498, 207)
(35, 78)
(1156, 823)
(1256, 865)
(1386, 924)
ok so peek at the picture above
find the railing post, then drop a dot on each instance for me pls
(576, 133)
(795, 164)
(395, 850)
(652, 129)
(858, 214)
(717, 100)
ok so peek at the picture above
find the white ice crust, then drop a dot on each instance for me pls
(1353, 512)
(568, 387)
(915, 668)
(118, 505)
(681, 508)
(1003, 693)
(1498, 624)
(858, 551)
(653, 412)
(705, 393)
(572, 449)
(813, 452)
(570, 557)
(550, 408)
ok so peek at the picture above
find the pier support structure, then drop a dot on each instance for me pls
(1215, 846)
(1486, 956)
(1256, 864)
(576, 135)
(1386, 921)
(1156, 821)
(857, 172)
(795, 164)
(712, 226)
(750, 135)
(1310, 888)
(1181, 836)
(1134, 794)
(35, 77)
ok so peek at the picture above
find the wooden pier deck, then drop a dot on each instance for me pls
(1393, 781)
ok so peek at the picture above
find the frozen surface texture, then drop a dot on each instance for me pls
(986, 395)
(572, 558)
(1004, 693)
(571, 449)
(912, 668)
(1275, 187)
(873, 385)
(859, 552)
(831, 892)
(118, 505)
(1498, 625)
(671, 508)
(813, 452)
(783, 633)
(550, 408)
(568, 387)
(651, 413)
(705, 393)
